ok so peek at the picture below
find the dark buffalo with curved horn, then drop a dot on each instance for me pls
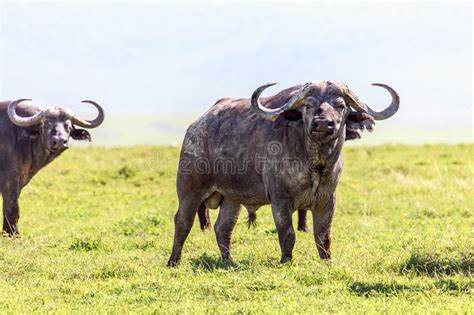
(29, 140)
(283, 150)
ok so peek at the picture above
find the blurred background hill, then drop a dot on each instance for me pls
(169, 129)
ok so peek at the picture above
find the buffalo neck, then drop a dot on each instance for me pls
(36, 157)
(325, 154)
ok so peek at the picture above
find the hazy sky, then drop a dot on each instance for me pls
(164, 57)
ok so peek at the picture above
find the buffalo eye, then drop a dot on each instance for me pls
(339, 103)
(311, 102)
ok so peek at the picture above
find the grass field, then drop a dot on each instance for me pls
(97, 229)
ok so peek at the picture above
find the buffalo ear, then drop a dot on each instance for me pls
(292, 115)
(81, 134)
(287, 116)
(356, 122)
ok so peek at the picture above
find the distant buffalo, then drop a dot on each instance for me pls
(286, 152)
(29, 140)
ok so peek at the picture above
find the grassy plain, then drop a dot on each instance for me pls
(97, 229)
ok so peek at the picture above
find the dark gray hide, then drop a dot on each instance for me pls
(29, 140)
(285, 152)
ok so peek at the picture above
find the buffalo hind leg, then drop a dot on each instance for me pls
(204, 217)
(302, 222)
(322, 220)
(183, 221)
(11, 208)
(224, 226)
(286, 233)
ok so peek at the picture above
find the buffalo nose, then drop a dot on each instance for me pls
(323, 124)
(60, 144)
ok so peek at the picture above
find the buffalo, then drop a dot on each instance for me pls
(30, 139)
(283, 150)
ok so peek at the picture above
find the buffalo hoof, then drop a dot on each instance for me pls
(325, 255)
(286, 259)
(172, 263)
(206, 227)
(303, 228)
(12, 234)
(229, 260)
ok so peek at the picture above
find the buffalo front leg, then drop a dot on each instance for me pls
(322, 220)
(183, 221)
(11, 208)
(228, 216)
(286, 234)
(302, 223)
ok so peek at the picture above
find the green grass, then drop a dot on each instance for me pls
(97, 230)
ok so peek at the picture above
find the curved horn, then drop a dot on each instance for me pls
(272, 114)
(383, 114)
(23, 121)
(78, 121)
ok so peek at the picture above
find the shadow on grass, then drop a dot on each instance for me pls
(435, 264)
(210, 264)
(376, 289)
(452, 286)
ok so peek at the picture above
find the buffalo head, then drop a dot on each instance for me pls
(55, 126)
(329, 109)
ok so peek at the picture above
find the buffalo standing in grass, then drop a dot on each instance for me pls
(29, 140)
(286, 152)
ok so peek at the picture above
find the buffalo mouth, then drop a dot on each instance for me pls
(57, 150)
(322, 133)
